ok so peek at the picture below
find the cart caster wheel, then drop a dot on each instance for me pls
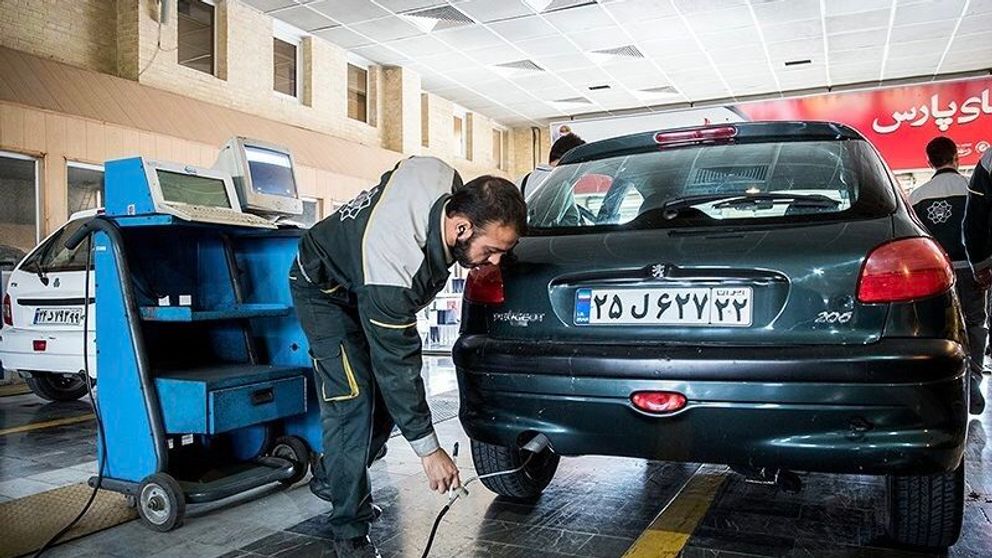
(131, 501)
(296, 451)
(161, 503)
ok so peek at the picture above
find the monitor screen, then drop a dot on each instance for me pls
(271, 172)
(190, 189)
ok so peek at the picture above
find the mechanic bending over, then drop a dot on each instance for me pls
(940, 205)
(358, 281)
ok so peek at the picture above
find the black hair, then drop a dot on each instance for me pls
(941, 151)
(490, 199)
(562, 145)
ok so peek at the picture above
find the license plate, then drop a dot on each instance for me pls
(58, 316)
(702, 306)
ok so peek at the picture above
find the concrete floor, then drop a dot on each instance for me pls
(594, 507)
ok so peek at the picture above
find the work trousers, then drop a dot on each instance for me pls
(973, 304)
(354, 421)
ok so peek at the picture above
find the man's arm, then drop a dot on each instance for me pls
(976, 230)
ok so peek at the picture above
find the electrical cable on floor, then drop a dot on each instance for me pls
(454, 494)
(96, 409)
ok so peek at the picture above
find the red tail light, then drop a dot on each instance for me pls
(484, 285)
(668, 139)
(905, 270)
(658, 402)
(40, 344)
(8, 312)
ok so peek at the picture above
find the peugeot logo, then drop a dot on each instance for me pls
(659, 271)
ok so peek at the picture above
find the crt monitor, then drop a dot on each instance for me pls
(264, 176)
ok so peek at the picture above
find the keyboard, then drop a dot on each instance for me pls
(223, 216)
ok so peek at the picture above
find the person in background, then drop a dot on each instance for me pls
(940, 205)
(533, 179)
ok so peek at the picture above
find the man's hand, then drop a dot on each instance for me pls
(441, 471)
(984, 278)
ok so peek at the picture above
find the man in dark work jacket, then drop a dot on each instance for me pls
(360, 277)
(940, 204)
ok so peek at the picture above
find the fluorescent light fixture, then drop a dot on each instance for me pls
(570, 103)
(656, 93)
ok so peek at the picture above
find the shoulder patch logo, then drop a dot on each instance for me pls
(939, 212)
(352, 209)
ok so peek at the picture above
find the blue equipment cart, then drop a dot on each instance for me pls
(205, 379)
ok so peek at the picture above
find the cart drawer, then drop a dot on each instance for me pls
(242, 406)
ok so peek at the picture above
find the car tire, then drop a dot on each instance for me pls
(925, 511)
(528, 483)
(57, 387)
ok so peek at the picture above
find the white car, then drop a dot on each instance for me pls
(43, 309)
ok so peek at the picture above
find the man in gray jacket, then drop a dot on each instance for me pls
(940, 204)
(360, 277)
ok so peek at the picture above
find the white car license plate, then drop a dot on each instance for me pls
(58, 316)
(703, 306)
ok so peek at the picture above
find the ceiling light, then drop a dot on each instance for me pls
(517, 67)
(570, 103)
(437, 18)
(538, 5)
(656, 93)
(598, 87)
(798, 62)
(625, 52)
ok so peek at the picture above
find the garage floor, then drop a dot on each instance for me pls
(595, 506)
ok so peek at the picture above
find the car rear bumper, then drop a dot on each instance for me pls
(63, 351)
(897, 406)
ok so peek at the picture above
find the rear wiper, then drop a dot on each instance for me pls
(798, 200)
(674, 206)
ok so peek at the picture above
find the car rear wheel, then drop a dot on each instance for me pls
(536, 470)
(926, 510)
(57, 387)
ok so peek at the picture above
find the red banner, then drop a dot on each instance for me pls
(900, 120)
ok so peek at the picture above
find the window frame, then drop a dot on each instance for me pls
(71, 163)
(319, 207)
(37, 189)
(366, 66)
(213, 38)
(461, 148)
(504, 143)
(286, 33)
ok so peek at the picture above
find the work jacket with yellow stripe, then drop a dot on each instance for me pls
(387, 248)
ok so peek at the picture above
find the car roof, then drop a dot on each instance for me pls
(745, 132)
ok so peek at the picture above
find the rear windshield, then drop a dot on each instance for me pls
(744, 183)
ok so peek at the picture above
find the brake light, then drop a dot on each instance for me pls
(40, 344)
(658, 402)
(699, 135)
(905, 270)
(484, 285)
(8, 312)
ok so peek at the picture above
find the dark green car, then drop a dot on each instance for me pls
(758, 295)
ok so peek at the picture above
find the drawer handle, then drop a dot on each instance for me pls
(262, 396)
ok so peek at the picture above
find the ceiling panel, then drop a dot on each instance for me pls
(772, 13)
(844, 7)
(269, 5)
(387, 29)
(579, 20)
(631, 10)
(809, 29)
(420, 46)
(524, 28)
(470, 37)
(304, 18)
(349, 11)
(927, 12)
(703, 6)
(856, 40)
(345, 38)
(488, 11)
(875, 19)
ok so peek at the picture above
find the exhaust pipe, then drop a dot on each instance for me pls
(785, 480)
(537, 444)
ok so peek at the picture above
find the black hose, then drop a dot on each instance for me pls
(96, 409)
(437, 523)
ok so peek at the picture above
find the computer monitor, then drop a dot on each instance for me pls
(264, 176)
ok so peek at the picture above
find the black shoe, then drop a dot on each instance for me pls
(381, 454)
(976, 405)
(376, 512)
(359, 547)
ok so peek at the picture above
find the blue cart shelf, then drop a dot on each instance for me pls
(211, 398)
